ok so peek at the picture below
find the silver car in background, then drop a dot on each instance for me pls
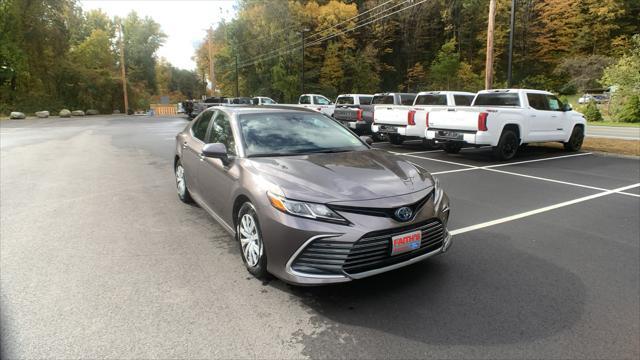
(305, 198)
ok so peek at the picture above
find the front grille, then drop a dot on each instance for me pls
(373, 250)
(327, 256)
(382, 212)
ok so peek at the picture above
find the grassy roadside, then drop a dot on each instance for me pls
(614, 123)
(613, 146)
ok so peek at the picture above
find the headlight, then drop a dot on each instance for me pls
(305, 209)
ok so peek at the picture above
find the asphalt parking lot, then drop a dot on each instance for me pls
(99, 258)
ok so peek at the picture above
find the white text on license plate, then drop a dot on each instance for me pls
(406, 242)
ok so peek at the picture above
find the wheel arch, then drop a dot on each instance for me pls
(511, 126)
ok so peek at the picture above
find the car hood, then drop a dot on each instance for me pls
(346, 176)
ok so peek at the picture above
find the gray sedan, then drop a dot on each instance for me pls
(306, 199)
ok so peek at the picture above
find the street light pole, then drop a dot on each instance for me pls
(512, 27)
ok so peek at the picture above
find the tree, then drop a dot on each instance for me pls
(583, 72)
(624, 79)
(444, 69)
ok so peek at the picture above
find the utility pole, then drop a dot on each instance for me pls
(237, 76)
(123, 71)
(488, 79)
(212, 75)
(302, 68)
(512, 28)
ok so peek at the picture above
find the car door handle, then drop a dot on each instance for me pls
(533, 116)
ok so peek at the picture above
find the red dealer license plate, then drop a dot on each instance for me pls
(406, 242)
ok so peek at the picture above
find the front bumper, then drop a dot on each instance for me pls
(288, 239)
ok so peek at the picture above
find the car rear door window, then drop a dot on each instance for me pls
(305, 99)
(538, 101)
(431, 99)
(221, 132)
(201, 125)
(463, 100)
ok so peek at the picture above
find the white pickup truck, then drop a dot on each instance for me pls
(401, 122)
(317, 102)
(507, 119)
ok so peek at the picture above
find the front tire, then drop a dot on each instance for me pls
(507, 146)
(576, 139)
(181, 184)
(396, 139)
(250, 238)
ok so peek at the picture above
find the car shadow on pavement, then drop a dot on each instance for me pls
(484, 291)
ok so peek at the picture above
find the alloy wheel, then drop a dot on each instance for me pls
(250, 240)
(180, 182)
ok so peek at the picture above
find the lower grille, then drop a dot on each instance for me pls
(326, 256)
(373, 251)
(322, 257)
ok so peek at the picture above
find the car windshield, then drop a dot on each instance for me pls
(293, 133)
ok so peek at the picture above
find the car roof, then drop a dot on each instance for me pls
(354, 95)
(445, 92)
(514, 91)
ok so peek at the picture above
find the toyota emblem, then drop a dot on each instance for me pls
(404, 213)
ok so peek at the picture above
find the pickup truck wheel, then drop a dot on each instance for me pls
(452, 148)
(396, 139)
(576, 139)
(507, 146)
(429, 144)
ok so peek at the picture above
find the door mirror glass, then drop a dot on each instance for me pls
(216, 151)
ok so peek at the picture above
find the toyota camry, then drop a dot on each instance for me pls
(305, 198)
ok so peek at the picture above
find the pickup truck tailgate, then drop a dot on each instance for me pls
(346, 113)
(391, 114)
(459, 118)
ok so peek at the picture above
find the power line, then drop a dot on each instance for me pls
(318, 41)
(293, 46)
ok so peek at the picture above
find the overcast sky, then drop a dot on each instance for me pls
(185, 22)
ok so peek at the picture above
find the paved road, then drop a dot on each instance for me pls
(613, 132)
(98, 258)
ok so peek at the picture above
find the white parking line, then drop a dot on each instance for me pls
(541, 210)
(442, 161)
(536, 160)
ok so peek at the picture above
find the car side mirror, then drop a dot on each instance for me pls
(216, 151)
(567, 107)
(367, 139)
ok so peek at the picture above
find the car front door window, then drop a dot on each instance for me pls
(221, 132)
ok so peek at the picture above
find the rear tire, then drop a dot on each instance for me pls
(250, 240)
(576, 139)
(396, 139)
(507, 146)
(452, 148)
